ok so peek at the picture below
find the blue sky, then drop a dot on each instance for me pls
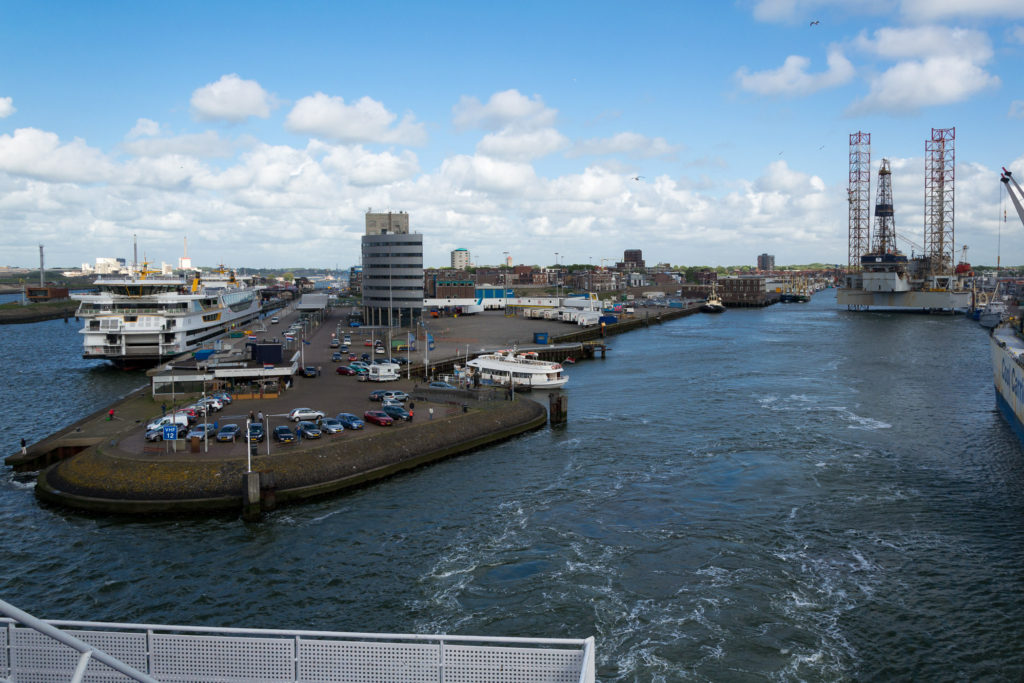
(263, 131)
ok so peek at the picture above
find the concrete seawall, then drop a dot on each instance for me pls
(103, 479)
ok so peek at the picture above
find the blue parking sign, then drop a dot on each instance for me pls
(170, 432)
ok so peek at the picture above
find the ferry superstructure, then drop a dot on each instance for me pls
(1007, 344)
(142, 319)
(523, 369)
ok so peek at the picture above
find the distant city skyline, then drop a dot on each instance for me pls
(263, 135)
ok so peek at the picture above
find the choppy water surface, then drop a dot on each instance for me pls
(790, 493)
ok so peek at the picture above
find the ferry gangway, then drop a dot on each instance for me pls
(32, 649)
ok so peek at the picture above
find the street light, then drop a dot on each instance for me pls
(504, 295)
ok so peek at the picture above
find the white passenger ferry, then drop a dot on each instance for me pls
(143, 319)
(521, 368)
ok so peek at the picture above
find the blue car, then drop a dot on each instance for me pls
(350, 421)
(229, 433)
(283, 434)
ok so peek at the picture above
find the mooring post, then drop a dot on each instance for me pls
(558, 408)
(268, 491)
(251, 496)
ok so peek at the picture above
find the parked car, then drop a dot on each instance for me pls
(202, 430)
(256, 432)
(349, 421)
(309, 371)
(345, 370)
(343, 348)
(297, 414)
(155, 434)
(224, 397)
(180, 419)
(283, 434)
(336, 356)
(367, 342)
(335, 343)
(390, 402)
(401, 360)
(229, 433)
(352, 357)
(396, 395)
(214, 404)
(378, 417)
(377, 395)
(397, 412)
(275, 320)
(365, 357)
(308, 430)
(331, 425)
(441, 385)
(347, 340)
(358, 364)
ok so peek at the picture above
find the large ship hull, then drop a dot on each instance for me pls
(920, 299)
(1008, 375)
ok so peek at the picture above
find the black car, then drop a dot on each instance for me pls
(256, 432)
(283, 434)
(309, 371)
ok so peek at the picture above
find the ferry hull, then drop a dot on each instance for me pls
(1008, 376)
(944, 300)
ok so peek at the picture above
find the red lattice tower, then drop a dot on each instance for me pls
(939, 176)
(860, 198)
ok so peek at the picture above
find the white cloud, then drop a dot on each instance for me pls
(6, 107)
(633, 145)
(364, 121)
(143, 128)
(506, 108)
(805, 10)
(931, 10)
(38, 154)
(792, 78)
(486, 174)
(522, 146)
(942, 65)
(363, 168)
(1016, 110)
(1015, 35)
(232, 99)
(203, 145)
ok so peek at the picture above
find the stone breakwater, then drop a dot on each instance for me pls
(104, 479)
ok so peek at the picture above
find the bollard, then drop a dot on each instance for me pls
(251, 496)
(558, 408)
(268, 491)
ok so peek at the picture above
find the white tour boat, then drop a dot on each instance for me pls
(142, 319)
(523, 369)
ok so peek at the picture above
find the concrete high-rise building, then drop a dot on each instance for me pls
(460, 259)
(766, 262)
(392, 278)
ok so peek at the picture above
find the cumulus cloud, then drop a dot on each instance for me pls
(232, 99)
(483, 173)
(793, 78)
(633, 145)
(802, 10)
(6, 107)
(932, 10)
(522, 146)
(364, 121)
(363, 168)
(503, 109)
(39, 154)
(203, 145)
(143, 128)
(941, 65)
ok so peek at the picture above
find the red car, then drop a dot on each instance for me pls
(378, 417)
(345, 370)
(352, 357)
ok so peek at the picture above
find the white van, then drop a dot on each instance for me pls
(180, 419)
(383, 372)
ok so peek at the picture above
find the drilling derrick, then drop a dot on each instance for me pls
(884, 241)
(939, 174)
(860, 198)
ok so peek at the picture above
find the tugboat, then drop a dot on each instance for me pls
(714, 302)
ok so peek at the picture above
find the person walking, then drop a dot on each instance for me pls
(252, 416)
(259, 416)
(24, 451)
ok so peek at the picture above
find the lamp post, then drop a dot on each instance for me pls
(558, 282)
(504, 295)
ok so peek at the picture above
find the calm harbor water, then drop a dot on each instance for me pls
(789, 493)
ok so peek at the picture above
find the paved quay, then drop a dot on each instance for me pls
(119, 471)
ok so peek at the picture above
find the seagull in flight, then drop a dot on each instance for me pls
(638, 178)
(815, 22)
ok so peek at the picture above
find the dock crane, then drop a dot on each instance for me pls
(1013, 189)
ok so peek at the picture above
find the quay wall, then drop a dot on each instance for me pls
(103, 479)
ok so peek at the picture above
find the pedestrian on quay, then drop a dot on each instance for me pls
(252, 416)
(110, 415)
(431, 414)
(259, 416)
(24, 451)
(318, 369)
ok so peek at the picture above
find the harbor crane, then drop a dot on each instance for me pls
(1016, 194)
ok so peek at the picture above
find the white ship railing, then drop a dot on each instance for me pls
(34, 650)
